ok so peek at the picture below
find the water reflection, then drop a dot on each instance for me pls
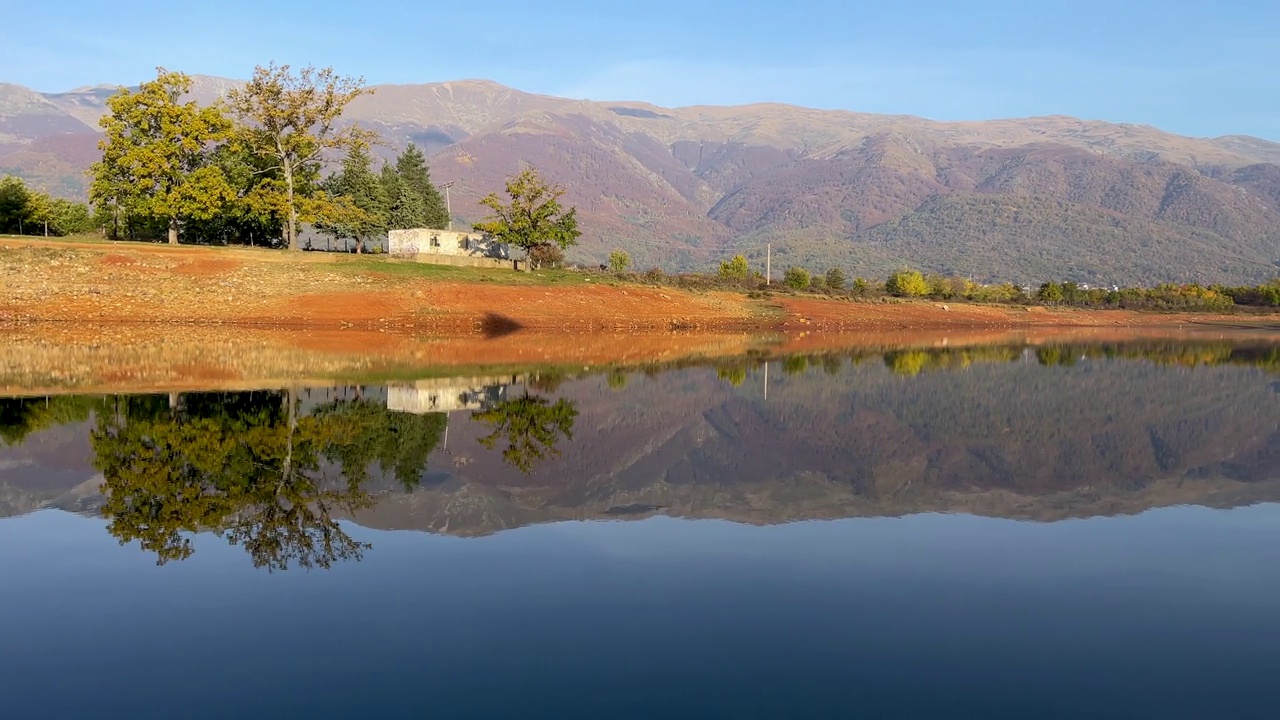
(249, 467)
(1037, 433)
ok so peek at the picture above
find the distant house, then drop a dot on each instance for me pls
(449, 247)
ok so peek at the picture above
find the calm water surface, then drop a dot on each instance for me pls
(994, 532)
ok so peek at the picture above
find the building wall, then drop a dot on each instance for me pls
(426, 241)
(449, 394)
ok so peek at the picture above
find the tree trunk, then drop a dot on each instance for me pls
(293, 223)
(173, 231)
(291, 228)
(359, 246)
(293, 426)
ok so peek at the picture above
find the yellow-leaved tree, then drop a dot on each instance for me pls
(157, 156)
(292, 122)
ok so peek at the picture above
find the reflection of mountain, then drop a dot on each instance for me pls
(1009, 435)
(1017, 440)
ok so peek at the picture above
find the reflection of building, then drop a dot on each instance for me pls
(310, 398)
(449, 394)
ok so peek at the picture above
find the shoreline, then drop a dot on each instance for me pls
(66, 357)
(104, 284)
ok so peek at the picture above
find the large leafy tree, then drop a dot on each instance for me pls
(293, 119)
(156, 156)
(532, 217)
(411, 167)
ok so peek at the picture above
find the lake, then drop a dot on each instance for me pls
(1048, 530)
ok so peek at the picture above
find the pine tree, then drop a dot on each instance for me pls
(412, 168)
(405, 208)
(358, 184)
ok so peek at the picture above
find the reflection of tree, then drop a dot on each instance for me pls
(795, 365)
(530, 425)
(735, 375)
(617, 379)
(398, 442)
(249, 467)
(19, 417)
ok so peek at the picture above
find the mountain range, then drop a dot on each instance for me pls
(1023, 200)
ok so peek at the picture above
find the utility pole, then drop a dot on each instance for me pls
(448, 206)
(768, 277)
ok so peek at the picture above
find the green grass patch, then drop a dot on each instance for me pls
(394, 267)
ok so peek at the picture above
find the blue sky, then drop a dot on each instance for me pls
(1198, 68)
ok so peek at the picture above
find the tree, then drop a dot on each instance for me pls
(156, 154)
(1050, 292)
(533, 218)
(735, 268)
(364, 192)
(835, 278)
(15, 205)
(292, 119)
(907, 283)
(405, 208)
(411, 167)
(530, 425)
(619, 261)
(797, 278)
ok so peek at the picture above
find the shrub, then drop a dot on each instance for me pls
(797, 278)
(835, 278)
(1050, 292)
(907, 283)
(735, 268)
(546, 256)
(619, 261)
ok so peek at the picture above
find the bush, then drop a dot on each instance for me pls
(1050, 292)
(818, 283)
(546, 256)
(619, 261)
(835, 278)
(907, 283)
(797, 278)
(655, 275)
(735, 268)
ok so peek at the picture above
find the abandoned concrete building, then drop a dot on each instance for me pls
(450, 394)
(449, 247)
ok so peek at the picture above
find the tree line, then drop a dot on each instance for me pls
(909, 283)
(27, 211)
(249, 168)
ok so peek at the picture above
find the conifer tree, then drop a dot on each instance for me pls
(405, 208)
(363, 191)
(412, 168)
